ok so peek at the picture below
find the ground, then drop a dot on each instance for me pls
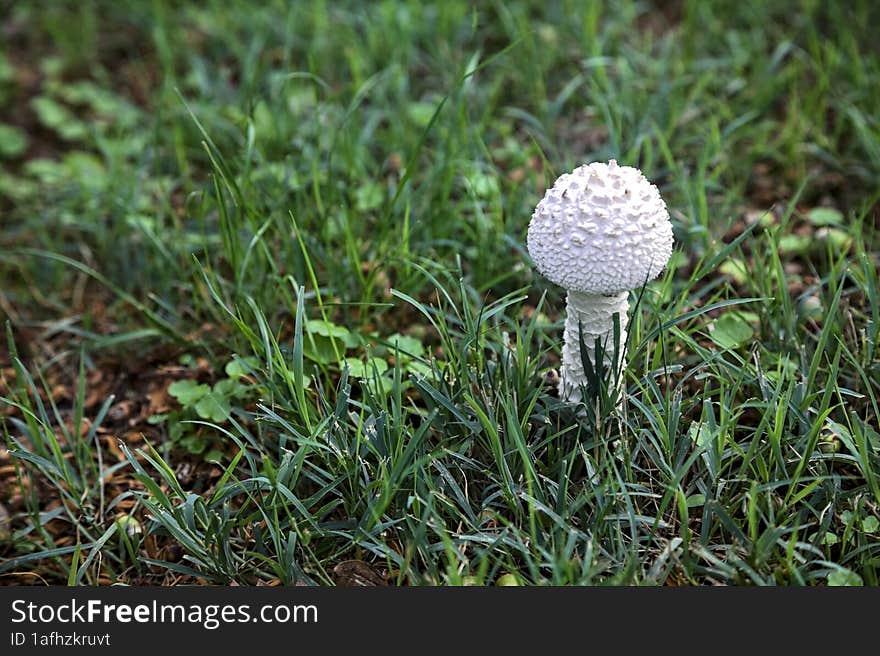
(270, 319)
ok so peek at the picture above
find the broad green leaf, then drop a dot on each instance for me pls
(264, 120)
(214, 455)
(368, 196)
(483, 184)
(325, 341)
(839, 239)
(731, 330)
(194, 443)
(419, 367)
(844, 577)
(736, 269)
(17, 188)
(306, 381)
(408, 347)
(360, 369)
(241, 367)
(87, 169)
(421, 113)
(46, 171)
(824, 216)
(700, 434)
(873, 437)
(213, 407)
(229, 387)
(188, 392)
(326, 328)
(696, 501)
(321, 349)
(60, 119)
(795, 244)
(13, 141)
(7, 70)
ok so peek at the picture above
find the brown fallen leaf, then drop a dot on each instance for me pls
(354, 573)
(159, 399)
(120, 411)
(5, 521)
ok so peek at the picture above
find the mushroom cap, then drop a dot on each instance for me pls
(601, 229)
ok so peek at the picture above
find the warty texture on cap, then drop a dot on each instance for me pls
(601, 229)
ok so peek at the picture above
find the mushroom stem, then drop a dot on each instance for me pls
(590, 316)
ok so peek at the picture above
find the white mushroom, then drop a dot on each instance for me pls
(599, 232)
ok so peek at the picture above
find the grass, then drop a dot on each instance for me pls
(270, 318)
